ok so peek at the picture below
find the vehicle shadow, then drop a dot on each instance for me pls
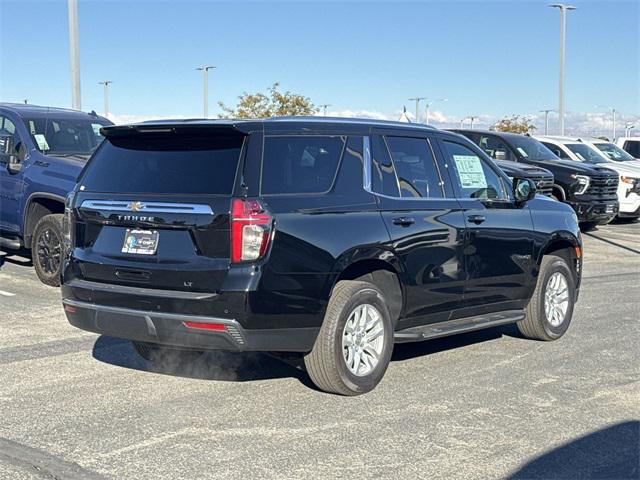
(251, 366)
(17, 257)
(609, 453)
(222, 366)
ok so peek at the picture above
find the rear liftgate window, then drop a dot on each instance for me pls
(178, 164)
(300, 164)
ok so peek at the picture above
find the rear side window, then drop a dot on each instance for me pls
(418, 175)
(300, 164)
(180, 164)
(633, 147)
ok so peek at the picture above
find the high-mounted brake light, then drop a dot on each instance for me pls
(250, 230)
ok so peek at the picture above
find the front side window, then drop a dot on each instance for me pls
(614, 152)
(495, 148)
(472, 176)
(300, 164)
(417, 172)
(64, 136)
(557, 151)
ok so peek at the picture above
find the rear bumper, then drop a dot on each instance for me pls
(170, 329)
(596, 211)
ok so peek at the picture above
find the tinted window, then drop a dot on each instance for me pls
(300, 164)
(180, 164)
(383, 177)
(556, 150)
(473, 177)
(64, 136)
(415, 167)
(495, 148)
(633, 147)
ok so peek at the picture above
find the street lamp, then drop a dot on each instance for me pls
(472, 118)
(627, 129)
(417, 100)
(614, 112)
(563, 25)
(462, 121)
(324, 108)
(546, 119)
(428, 104)
(205, 71)
(74, 56)
(106, 95)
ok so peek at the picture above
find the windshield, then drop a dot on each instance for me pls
(65, 136)
(585, 153)
(614, 152)
(531, 149)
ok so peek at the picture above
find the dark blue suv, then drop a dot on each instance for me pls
(42, 151)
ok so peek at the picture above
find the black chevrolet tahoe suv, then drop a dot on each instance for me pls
(592, 191)
(333, 238)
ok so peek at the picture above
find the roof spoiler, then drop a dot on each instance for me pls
(167, 128)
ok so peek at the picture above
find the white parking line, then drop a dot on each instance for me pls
(6, 294)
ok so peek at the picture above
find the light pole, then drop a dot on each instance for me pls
(74, 56)
(627, 129)
(615, 113)
(462, 121)
(324, 108)
(563, 25)
(546, 119)
(417, 100)
(205, 76)
(472, 118)
(106, 96)
(428, 104)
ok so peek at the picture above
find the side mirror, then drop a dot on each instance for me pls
(523, 190)
(10, 156)
(500, 154)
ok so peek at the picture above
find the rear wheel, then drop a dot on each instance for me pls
(549, 312)
(354, 346)
(159, 354)
(47, 249)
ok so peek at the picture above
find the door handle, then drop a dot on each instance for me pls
(404, 221)
(477, 219)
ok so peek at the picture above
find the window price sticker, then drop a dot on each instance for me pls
(470, 171)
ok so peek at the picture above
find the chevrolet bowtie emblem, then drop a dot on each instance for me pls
(135, 206)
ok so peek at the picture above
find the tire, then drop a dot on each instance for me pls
(326, 363)
(588, 226)
(159, 354)
(536, 324)
(47, 249)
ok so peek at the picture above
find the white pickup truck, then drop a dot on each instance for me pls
(607, 154)
(631, 145)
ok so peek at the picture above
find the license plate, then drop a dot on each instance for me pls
(609, 209)
(140, 242)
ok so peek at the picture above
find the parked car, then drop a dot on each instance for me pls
(631, 145)
(335, 238)
(591, 190)
(541, 177)
(42, 150)
(600, 152)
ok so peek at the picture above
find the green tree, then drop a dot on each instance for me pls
(514, 124)
(273, 103)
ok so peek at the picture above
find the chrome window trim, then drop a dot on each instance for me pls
(147, 207)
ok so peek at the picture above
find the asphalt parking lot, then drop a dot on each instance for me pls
(481, 405)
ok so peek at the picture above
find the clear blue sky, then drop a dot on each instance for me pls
(493, 58)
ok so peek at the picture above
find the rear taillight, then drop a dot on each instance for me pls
(250, 230)
(67, 222)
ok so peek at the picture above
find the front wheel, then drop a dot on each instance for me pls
(549, 312)
(354, 345)
(47, 249)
